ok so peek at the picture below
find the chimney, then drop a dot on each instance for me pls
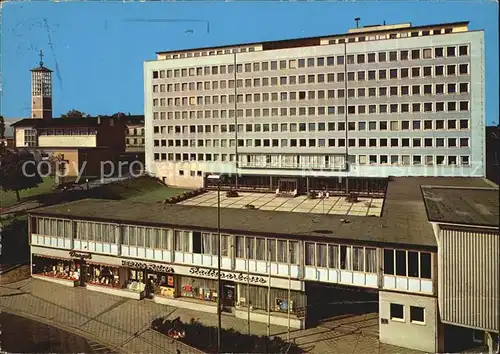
(98, 120)
(357, 19)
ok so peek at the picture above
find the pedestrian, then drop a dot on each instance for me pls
(177, 351)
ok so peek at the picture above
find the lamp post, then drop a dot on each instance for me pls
(217, 179)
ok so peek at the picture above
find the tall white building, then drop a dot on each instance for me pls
(378, 101)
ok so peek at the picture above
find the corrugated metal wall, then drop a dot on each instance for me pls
(468, 279)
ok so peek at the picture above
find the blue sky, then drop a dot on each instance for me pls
(97, 53)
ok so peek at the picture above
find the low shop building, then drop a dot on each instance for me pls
(284, 268)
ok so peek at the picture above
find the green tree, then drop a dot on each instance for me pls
(74, 114)
(18, 171)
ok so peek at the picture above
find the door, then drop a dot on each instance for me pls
(229, 295)
(151, 285)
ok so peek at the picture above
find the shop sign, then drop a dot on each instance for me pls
(80, 255)
(149, 266)
(240, 277)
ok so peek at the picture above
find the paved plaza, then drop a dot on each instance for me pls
(332, 205)
(123, 324)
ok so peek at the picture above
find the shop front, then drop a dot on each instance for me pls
(58, 270)
(181, 286)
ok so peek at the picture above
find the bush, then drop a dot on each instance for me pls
(232, 193)
(205, 338)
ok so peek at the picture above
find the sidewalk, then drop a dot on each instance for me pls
(123, 324)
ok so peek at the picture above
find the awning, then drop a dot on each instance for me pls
(52, 257)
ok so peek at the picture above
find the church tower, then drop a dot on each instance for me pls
(41, 92)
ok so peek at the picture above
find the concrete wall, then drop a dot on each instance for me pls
(404, 333)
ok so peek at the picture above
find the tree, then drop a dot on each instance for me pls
(18, 171)
(2, 136)
(56, 167)
(74, 114)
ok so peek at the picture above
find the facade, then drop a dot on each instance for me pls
(380, 101)
(277, 267)
(466, 224)
(134, 138)
(84, 144)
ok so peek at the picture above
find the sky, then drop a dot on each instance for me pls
(97, 49)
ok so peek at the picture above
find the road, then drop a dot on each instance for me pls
(21, 335)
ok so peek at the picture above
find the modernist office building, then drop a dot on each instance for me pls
(426, 269)
(377, 101)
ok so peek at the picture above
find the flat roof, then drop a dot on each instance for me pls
(463, 206)
(291, 41)
(403, 222)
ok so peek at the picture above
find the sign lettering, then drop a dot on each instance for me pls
(80, 255)
(149, 266)
(226, 275)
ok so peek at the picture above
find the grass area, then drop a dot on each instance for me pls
(8, 198)
(142, 189)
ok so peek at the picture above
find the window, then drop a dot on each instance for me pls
(450, 51)
(463, 50)
(397, 312)
(417, 314)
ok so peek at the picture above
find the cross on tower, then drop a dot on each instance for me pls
(41, 58)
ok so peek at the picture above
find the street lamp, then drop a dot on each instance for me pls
(217, 179)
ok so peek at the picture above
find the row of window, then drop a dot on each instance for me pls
(416, 107)
(315, 162)
(287, 64)
(350, 39)
(418, 142)
(362, 92)
(360, 75)
(381, 125)
(73, 131)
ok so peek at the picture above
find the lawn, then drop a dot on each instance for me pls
(8, 199)
(142, 189)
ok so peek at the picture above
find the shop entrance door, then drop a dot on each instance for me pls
(228, 296)
(151, 284)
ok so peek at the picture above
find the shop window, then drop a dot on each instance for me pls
(198, 288)
(165, 286)
(61, 269)
(135, 280)
(103, 275)
(397, 312)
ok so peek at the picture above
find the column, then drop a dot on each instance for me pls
(301, 272)
(232, 251)
(170, 246)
